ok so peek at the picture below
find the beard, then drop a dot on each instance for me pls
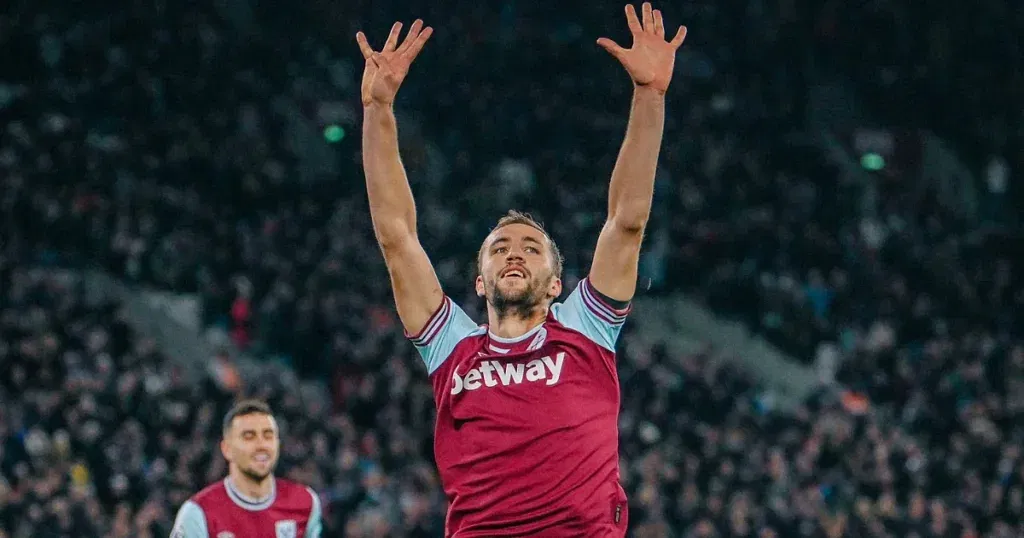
(520, 302)
(258, 476)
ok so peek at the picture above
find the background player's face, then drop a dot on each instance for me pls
(517, 268)
(252, 444)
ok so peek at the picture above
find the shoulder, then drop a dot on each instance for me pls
(466, 344)
(586, 298)
(213, 492)
(294, 492)
(592, 314)
(190, 509)
(466, 347)
(446, 330)
(290, 487)
(449, 320)
(190, 521)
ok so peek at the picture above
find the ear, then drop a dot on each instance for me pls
(556, 288)
(224, 450)
(480, 291)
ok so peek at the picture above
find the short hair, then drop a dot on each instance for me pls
(243, 408)
(518, 217)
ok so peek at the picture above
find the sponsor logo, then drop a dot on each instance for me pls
(285, 529)
(493, 373)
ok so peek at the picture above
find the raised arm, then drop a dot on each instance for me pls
(649, 63)
(392, 209)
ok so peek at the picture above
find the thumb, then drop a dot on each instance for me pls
(677, 41)
(612, 47)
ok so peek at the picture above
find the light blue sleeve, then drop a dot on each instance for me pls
(190, 522)
(445, 329)
(585, 311)
(315, 524)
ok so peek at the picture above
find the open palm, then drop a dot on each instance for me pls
(385, 70)
(651, 59)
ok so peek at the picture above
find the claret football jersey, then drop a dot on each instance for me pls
(221, 511)
(526, 439)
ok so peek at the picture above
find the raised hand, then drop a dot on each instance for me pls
(385, 70)
(650, 60)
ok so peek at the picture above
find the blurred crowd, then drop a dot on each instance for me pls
(101, 436)
(179, 130)
(157, 142)
(953, 68)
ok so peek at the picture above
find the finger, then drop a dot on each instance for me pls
(648, 18)
(659, 24)
(392, 41)
(612, 47)
(677, 41)
(634, 23)
(417, 45)
(410, 38)
(364, 46)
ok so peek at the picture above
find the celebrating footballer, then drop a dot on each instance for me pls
(526, 439)
(250, 502)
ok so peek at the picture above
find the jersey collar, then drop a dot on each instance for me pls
(247, 502)
(528, 341)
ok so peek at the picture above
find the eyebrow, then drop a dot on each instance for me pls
(254, 431)
(528, 239)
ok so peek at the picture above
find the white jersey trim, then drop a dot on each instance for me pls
(249, 503)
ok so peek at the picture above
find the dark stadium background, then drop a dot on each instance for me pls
(183, 221)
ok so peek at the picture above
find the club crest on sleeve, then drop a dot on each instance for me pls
(285, 529)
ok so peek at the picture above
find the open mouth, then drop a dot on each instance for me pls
(513, 272)
(261, 458)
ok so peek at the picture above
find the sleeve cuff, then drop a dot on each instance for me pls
(606, 308)
(434, 324)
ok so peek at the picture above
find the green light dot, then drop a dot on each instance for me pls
(872, 161)
(334, 133)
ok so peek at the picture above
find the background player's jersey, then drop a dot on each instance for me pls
(526, 439)
(220, 511)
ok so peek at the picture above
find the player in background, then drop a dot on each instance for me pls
(250, 502)
(526, 438)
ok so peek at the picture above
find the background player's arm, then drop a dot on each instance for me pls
(190, 522)
(415, 284)
(649, 63)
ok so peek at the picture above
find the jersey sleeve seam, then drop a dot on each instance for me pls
(434, 323)
(615, 305)
(598, 307)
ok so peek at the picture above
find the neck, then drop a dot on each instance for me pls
(245, 485)
(514, 324)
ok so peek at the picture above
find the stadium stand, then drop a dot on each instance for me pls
(152, 142)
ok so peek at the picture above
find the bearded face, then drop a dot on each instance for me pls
(517, 270)
(514, 287)
(253, 446)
